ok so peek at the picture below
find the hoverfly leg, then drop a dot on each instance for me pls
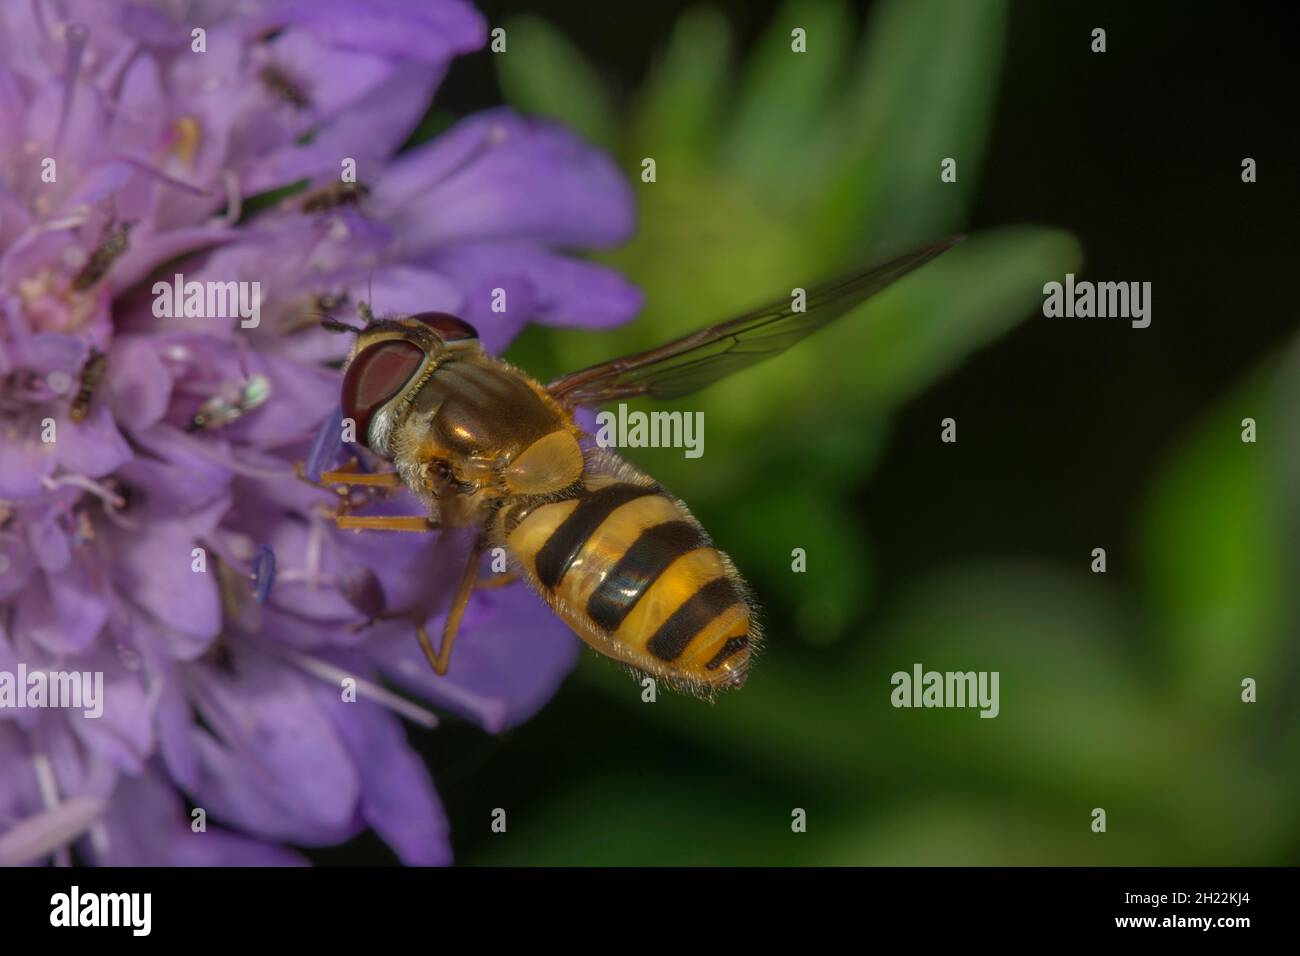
(342, 481)
(383, 479)
(418, 523)
(441, 659)
(497, 581)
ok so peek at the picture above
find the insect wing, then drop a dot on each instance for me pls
(702, 358)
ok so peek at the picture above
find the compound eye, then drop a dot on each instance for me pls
(375, 377)
(448, 326)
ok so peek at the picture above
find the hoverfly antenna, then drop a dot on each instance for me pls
(331, 324)
(366, 313)
(325, 318)
(365, 309)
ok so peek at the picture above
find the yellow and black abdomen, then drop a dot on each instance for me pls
(633, 573)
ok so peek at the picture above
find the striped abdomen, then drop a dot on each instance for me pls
(636, 577)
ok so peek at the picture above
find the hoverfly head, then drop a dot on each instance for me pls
(388, 358)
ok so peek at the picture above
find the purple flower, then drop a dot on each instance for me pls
(153, 531)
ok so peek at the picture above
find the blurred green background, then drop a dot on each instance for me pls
(1119, 690)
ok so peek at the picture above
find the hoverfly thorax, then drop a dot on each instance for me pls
(391, 359)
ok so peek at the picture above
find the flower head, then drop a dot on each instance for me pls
(153, 528)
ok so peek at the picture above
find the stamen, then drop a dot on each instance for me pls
(126, 524)
(302, 576)
(492, 710)
(101, 492)
(188, 135)
(380, 695)
(489, 140)
(234, 198)
(228, 461)
(48, 787)
(73, 220)
(156, 173)
(50, 831)
(99, 840)
(76, 35)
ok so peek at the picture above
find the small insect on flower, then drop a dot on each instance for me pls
(617, 557)
(230, 404)
(334, 196)
(92, 373)
(282, 85)
(101, 260)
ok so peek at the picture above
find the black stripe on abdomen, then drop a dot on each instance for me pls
(733, 646)
(563, 545)
(649, 556)
(693, 616)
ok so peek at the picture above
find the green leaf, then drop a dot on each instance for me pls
(954, 828)
(925, 92)
(1219, 550)
(783, 100)
(543, 73)
(253, 205)
(678, 108)
(1079, 723)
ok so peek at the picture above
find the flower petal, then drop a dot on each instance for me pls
(24, 463)
(154, 568)
(557, 290)
(279, 769)
(511, 658)
(397, 796)
(497, 176)
(137, 386)
(434, 30)
(62, 612)
(121, 734)
(93, 447)
(36, 837)
(146, 825)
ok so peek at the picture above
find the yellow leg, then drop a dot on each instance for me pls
(340, 482)
(441, 659)
(498, 581)
(384, 523)
(384, 479)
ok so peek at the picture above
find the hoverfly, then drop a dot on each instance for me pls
(486, 447)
